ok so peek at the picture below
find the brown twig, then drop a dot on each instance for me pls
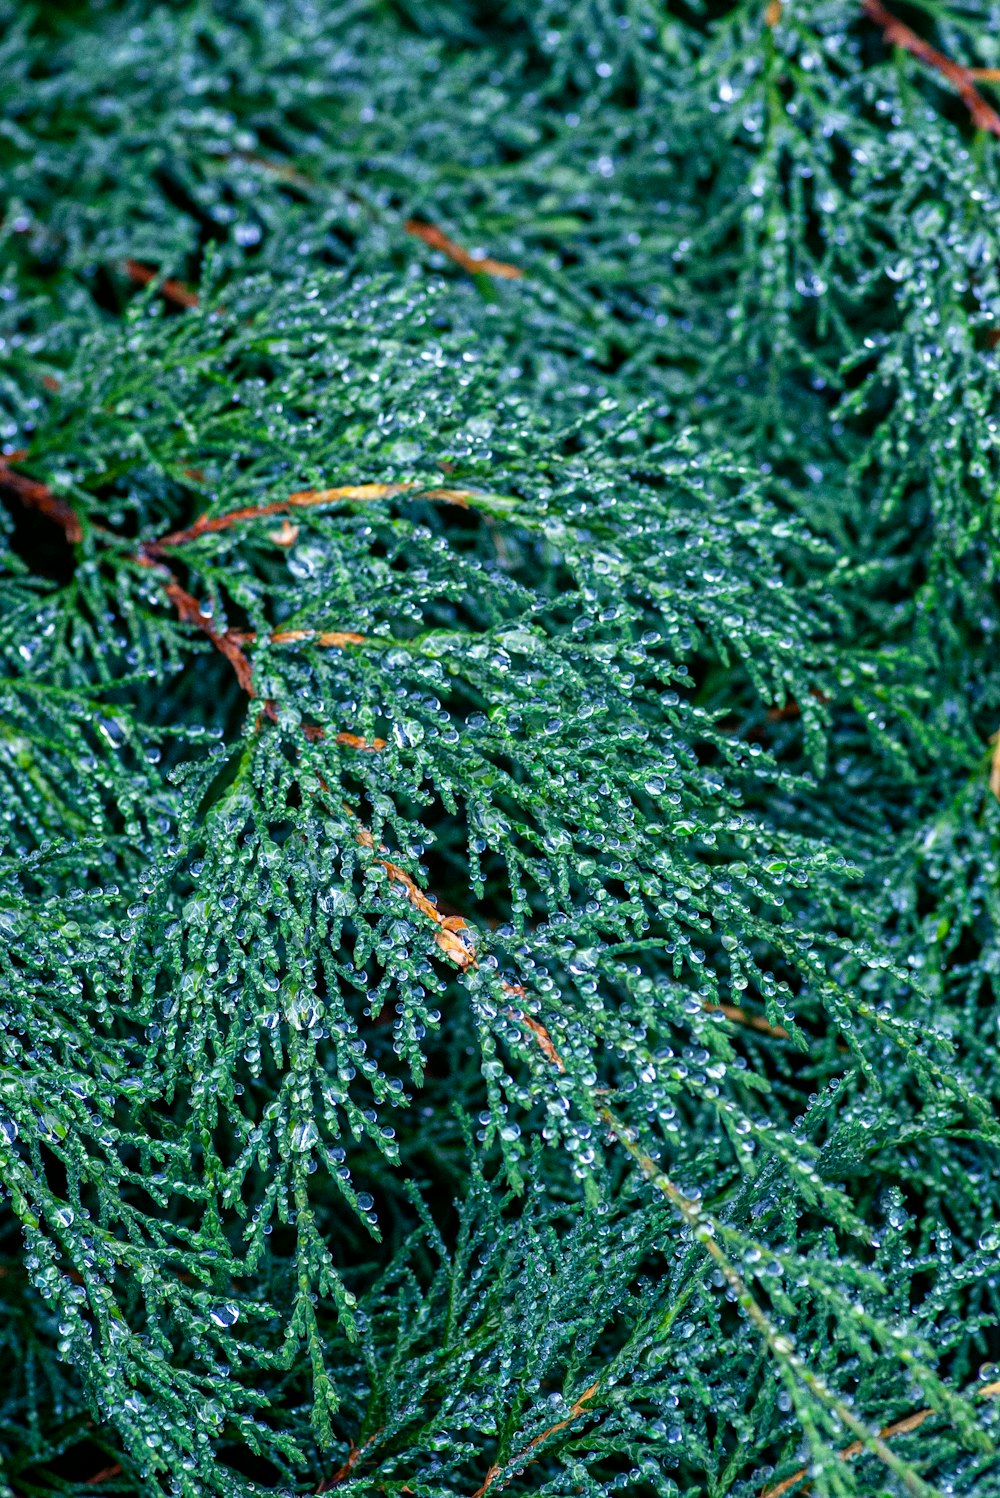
(207, 524)
(577, 1409)
(430, 234)
(353, 741)
(105, 1474)
(542, 1037)
(962, 79)
(315, 734)
(286, 535)
(230, 642)
(328, 638)
(454, 935)
(170, 290)
(479, 265)
(280, 169)
(344, 1471)
(745, 1017)
(189, 610)
(36, 496)
(897, 1428)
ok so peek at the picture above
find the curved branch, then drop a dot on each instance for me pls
(36, 496)
(962, 79)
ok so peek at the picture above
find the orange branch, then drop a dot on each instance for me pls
(456, 940)
(897, 1428)
(170, 290)
(225, 641)
(343, 1472)
(540, 1033)
(329, 638)
(314, 733)
(435, 238)
(744, 1017)
(36, 496)
(231, 642)
(105, 1474)
(962, 79)
(577, 1409)
(479, 265)
(305, 498)
(454, 935)
(352, 741)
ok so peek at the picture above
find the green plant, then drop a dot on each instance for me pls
(497, 718)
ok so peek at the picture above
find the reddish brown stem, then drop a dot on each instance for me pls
(314, 733)
(897, 1428)
(478, 265)
(745, 1017)
(36, 496)
(961, 78)
(328, 638)
(207, 525)
(578, 1408)
(170, 290)
(430, 234)
(542, 1037)
(225, 641)
(105, 1474)
(230, 642)
(343, 1472)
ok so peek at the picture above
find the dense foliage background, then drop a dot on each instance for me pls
(498, 720)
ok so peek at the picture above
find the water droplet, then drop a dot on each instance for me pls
(225, 1316)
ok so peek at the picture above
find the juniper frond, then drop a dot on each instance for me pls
(498, 752)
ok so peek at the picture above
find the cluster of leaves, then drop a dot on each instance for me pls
(498, 875)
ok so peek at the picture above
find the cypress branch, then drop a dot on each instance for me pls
(498, 714)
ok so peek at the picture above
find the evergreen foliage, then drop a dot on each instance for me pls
(498, 710)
